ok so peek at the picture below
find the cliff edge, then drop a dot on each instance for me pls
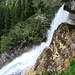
(58, 55)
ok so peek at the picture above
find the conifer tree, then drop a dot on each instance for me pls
(14, 18)
(19, 9)
(7, 20)
(23, 15)
(1, 20)
(23, 5)
(29, 11)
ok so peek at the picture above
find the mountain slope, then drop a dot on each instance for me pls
(23, 25)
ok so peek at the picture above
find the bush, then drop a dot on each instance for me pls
(29, 30)
(23, 25)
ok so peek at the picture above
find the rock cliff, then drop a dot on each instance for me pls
(70, 6)
(57, 56)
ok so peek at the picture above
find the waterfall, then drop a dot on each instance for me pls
(27, 60)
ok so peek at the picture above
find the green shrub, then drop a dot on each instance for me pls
(31, 29)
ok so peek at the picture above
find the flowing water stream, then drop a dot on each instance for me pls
(27, 60)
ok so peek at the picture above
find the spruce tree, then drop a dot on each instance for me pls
(14, 18)
(23, 5)
(7, 20)
(29, 11)
(1, 20)
(19, 9)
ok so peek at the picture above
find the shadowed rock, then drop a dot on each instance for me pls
(70, 7)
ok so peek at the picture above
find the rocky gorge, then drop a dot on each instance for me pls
(61, 51)
(58, 55)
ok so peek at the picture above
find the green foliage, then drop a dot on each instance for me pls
(14, 18)
(2, 23)
(9, 16)
(29, 30)
(19, 9)
(11, 40)
(7, 20)
(23, 5)
(29, 10)
(19, 22)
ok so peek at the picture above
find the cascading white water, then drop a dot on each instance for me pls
(27, 60)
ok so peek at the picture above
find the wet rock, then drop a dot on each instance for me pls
(58, 55)
(4, 59)
(70, 7)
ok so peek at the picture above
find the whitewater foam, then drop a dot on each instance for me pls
(27, 60)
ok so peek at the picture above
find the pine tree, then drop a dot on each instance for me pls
(23, 5)
(19, 9)
(14, 18)
(1, 20)
(7, 20)
(23, 15)
(41, 5)
(29, 11)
